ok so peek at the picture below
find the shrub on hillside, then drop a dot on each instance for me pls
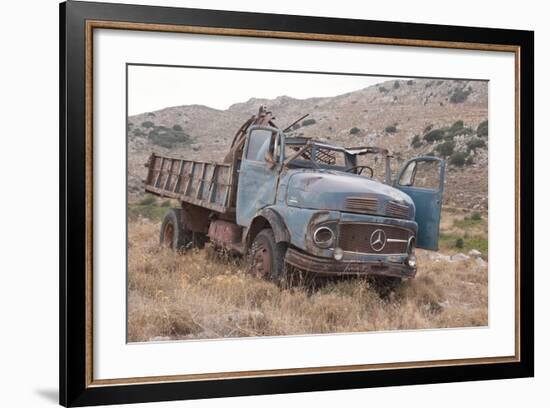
(177, 128)
(458, 159)
(434, 135)
(459, 95)
(354, 130)
(476, 144)
(391, 129)
(147, 124)
(416, 142)
(396, 85)
(446, 149)
(309, 122)
(483, 129)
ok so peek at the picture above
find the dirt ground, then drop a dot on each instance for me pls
(203, 294)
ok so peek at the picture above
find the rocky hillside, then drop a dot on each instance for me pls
(446, 118)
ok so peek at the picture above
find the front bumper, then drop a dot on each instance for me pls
(383, 266)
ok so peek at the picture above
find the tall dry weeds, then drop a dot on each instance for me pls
(199, 294)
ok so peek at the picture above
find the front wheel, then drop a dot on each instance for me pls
(174, 235)
(268, 256)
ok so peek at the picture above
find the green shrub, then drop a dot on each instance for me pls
(459, 95)
(476, 216)
(177, 128)
(459, 243)
(147, 124)
(428, 128)
(165, 203)
(396, 85)
(458, 159)
(446, 148)
(459, 124)
(416, 142)
(391, 129)
(354, 130)
(148, 200)
(483, 129)
(410, 82)
(168, 138)
(309, 122)
(476, 144)
(382, 89)
(434, 135)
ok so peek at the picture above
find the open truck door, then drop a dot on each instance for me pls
(423, 179)
(257, 176)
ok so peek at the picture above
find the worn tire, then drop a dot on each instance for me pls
(268, 256)
(172, 233)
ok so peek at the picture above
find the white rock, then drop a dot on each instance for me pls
(459, 257)
(474, 252)
(481, 263)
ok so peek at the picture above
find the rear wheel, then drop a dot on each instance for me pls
(268, 256)
(174, 235)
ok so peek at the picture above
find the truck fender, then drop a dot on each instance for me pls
(274, 220)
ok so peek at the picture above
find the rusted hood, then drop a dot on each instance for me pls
(329, 190)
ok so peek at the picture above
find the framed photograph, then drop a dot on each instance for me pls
(256, 203)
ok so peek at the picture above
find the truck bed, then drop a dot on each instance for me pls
(205, 184)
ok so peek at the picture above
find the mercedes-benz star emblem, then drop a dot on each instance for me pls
(378, 240)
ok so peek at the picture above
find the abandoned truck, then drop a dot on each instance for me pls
(296, 201)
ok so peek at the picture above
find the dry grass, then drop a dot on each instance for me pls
(203, 295)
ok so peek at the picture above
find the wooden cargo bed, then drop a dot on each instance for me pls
(205, 184)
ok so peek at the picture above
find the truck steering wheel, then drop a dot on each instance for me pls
(360, 170)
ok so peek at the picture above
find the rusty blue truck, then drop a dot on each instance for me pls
(293, 201)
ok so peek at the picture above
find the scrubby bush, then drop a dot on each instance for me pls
(459, 95)
(458, 159)
(309, 122)
(391, 129)
(177, 128)
(382, 89)
(167, 138)
(354, 130)
(148, 200)
(476, 216)
(459, 124)
(476, 144)
(396, 85)
(483, 129)
(147, 124)
(416, 142)
(459, 243)
(410, 82)
(428, 128)
(446, 148)
(434, 135)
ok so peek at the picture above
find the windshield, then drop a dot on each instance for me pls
(365, 161)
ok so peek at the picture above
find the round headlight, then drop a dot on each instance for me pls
(411, 261)
(323, 237)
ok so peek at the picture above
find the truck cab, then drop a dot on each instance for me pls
(337, 216)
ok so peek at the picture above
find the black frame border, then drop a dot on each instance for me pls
(72, 124)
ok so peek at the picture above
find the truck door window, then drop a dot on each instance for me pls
(258, 144)
(423, 174)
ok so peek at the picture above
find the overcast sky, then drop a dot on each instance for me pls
(154, 88)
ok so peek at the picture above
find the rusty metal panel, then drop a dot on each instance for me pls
(224, 233)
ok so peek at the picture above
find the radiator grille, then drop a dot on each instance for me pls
(357, 238)
(362, 204)
(396, 210)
